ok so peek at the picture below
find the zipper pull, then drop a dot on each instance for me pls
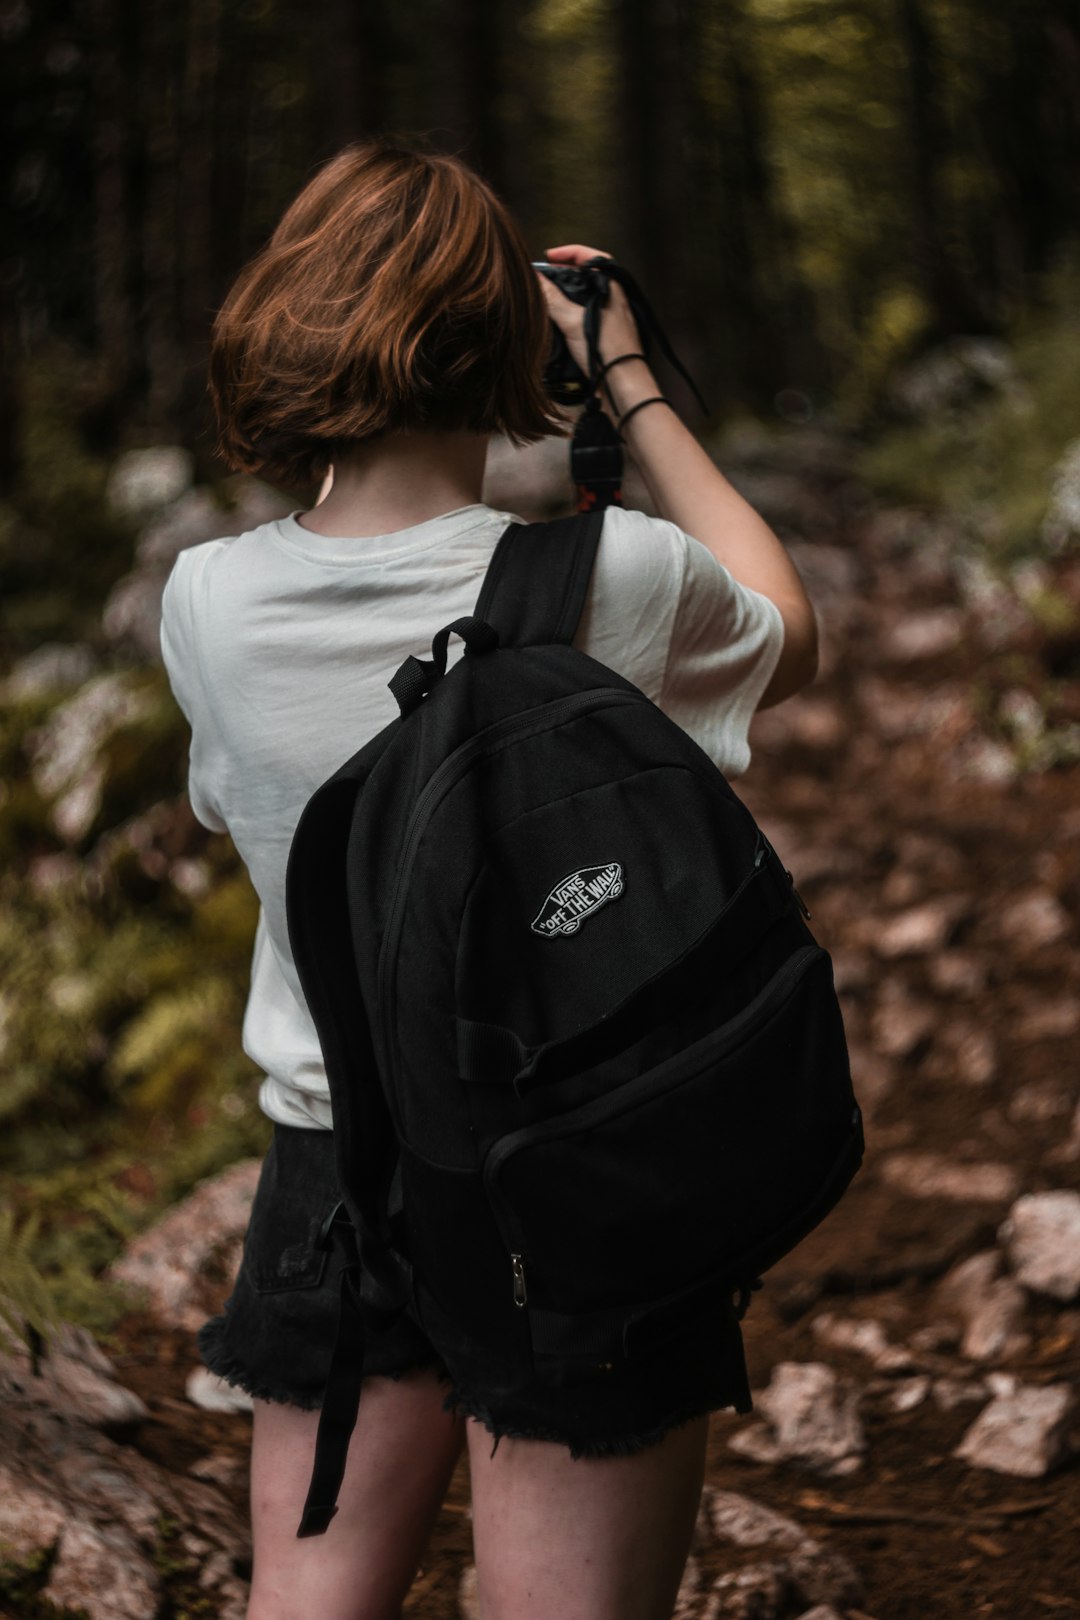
(802, 903)
(518, 1266)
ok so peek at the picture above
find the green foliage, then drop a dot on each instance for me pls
(22, 1582)
(60, 547)
(25, 1298)
(122, 1077)
(179, 1572)
(989, 465)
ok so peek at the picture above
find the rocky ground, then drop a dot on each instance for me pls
(915, 1363)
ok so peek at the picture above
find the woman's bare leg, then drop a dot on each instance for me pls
(401, 1457)
(596, 1539)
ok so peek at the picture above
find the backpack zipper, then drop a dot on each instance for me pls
(452, 769)
(774, 993)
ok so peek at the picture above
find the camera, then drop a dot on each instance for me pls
(596, 459)
(564, 379)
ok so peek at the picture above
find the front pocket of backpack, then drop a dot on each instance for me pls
(674, 1176)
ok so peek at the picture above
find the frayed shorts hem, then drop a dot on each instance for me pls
(594, 1447)
(218, 1360)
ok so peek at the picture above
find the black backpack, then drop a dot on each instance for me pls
(586, 1060)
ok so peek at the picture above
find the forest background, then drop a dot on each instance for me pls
(819, 196)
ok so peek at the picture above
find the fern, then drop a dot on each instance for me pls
(26, 1303)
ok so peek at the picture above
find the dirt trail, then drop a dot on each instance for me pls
(947, 891)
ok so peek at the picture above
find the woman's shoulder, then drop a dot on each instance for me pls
(640, 554)
(199, 572)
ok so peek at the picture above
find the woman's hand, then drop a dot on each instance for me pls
(618, 329)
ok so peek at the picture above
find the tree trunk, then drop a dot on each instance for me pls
(351, 47)
(661, 207)
(160, 222)
(464, 58)
(200, 85)
(113, 309)
(952, 302)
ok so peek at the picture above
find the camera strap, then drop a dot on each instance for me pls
(596, 449)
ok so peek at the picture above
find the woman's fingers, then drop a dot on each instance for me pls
(574, 253)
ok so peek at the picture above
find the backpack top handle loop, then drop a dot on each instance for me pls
(417, 676)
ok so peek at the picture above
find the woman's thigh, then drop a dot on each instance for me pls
(586, 1539)
(401, 1456)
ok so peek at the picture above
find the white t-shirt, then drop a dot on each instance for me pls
(279, 644)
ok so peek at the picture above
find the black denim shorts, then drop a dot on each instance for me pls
(275, 1337)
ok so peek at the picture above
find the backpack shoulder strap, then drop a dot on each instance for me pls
(535, 587)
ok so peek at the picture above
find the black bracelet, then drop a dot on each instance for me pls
(653, 399)
(636, 355)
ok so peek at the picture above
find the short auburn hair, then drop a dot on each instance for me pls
(396, 293)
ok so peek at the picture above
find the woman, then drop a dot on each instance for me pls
(391, 325)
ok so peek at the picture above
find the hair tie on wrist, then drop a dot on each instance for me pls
(636, 355)
(653, 399)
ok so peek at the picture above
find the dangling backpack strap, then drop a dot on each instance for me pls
(536, 584)
(374, 1285)
(341, 1402)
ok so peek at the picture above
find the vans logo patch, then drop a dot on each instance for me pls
(576, 898)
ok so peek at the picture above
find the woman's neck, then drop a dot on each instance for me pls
(400, 481)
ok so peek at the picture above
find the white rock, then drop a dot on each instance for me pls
(920, 930)
(53, 665)
(951, 1392)
(1042, 1235)
(1061, 524)
(864, 1335)
(97, 1400)
(78, 1344)
(65, 766)
(812, 1420)
(30, 1521)
(934, 1175)
(743, 1522)
(78, 1387)
(194, 517)
(204, 1388)
(758, 1592)
(908, 1394)
(166, 1261)
(1024, 1433)
(468, 1594)
(102, 1571)
(1034, 918)
(111, 1503)
(965, 1285)
(951, 376)
(994, 1325)
(218, 1468)
(920, 635)
(984, 760)
(686, 1599)
(141, 481)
